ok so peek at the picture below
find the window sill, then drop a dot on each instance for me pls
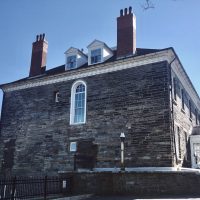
(182, 110)
(76, 124)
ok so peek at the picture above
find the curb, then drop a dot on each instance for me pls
(79, 197)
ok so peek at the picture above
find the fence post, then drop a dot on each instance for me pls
(45, 188)
(13, 188)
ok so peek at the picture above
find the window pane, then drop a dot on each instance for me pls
(71, 62)
(79, 108)
(95, 56)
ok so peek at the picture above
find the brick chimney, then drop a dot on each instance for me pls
(39, 54)
(126, 33)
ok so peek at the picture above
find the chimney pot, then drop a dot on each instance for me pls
(121, 12)
(37, 38)
(130, 10)
(40, 36)
(126, 33)
(125, 11)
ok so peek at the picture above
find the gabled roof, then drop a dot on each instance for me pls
(73, 50)
(97, 43)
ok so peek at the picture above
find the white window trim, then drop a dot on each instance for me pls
(67, 67)
(73, 146)
(90, 63)
(101, 55)
(73, 91)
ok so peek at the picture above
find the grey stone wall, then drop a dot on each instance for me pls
(136, 183)
(183, 121)
(134, 101)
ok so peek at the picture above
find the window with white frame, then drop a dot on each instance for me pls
(96, 56)
(71, 62)
(73, 146)
(78, 103)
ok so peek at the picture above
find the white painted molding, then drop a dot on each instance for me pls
(140, 169)
(72, 107)
(90, 71)
(178, 70)
(102, 68)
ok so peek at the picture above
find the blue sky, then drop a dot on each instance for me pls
(78, 22)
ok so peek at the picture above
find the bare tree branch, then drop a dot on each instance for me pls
(147, 5)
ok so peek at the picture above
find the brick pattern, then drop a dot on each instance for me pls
(39, 55)
(134, 101)
(126, 35)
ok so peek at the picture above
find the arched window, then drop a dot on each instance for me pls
(78, 103)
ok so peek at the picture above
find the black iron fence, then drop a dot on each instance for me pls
(33, 187)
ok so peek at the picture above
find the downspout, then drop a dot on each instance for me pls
(172, 110)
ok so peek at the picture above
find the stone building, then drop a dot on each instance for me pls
(72, 115)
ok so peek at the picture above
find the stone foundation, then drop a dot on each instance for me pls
(135, 183)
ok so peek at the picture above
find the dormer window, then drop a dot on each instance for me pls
(95, 56)
(71, 62)
(74, 58)
(98, 52)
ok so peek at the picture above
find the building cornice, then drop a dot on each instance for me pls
(186, 82)
(89, 71)
(122, 64)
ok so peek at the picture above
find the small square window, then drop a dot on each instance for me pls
(71, 62)
(73, 146)
(95, 56)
